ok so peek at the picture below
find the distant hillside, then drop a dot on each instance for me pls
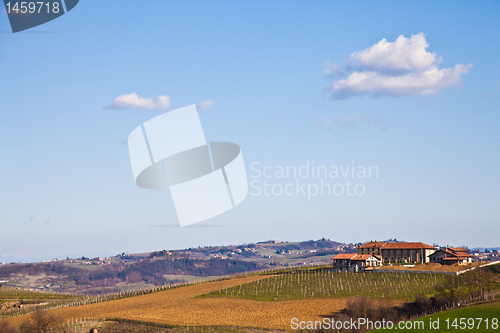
(482, 249)
(135, 271)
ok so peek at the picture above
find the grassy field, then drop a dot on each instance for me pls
(19, 301)
(317, 284)
(8, 294)
(470, 315)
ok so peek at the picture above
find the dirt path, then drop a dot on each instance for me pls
(179, 307)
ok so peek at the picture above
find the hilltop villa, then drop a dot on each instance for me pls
(372, 254)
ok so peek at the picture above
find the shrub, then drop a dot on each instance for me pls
(41, 322)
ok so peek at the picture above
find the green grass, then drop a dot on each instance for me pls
(488, 311)
(316, 283)
(18, 294)
(8, 294)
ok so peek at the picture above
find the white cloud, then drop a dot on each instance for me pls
(332, 70)
(406, 54)
(399, 68)
(420, 83)
(134, 101)
(13, 255)
(208, 104)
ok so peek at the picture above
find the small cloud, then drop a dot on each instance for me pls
(399, 68)
(206, 105)
(34, 221)
(347, 122)
(4, 12)
(134, 101)
(13, 255)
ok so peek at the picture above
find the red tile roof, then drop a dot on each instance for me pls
(453, 252)
(456, 258)
(344, 256)
(457, 249)
(362, 257)
(406, 246)
(396, 246)
(372, 245)
(441, 250)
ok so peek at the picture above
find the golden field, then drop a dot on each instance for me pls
(181, 307)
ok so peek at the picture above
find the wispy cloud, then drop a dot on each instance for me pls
(35, 220)
(399, 68)
(13, 255)
(206, 105)
(134, 101)
(332, 70)
(347, 122)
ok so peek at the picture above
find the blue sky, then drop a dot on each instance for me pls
(431, 128)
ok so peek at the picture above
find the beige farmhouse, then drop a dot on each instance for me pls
(392, 252)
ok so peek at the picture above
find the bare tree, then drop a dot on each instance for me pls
(478, 281)
(485, 280)
(451, 289)
(471, 282)
(41, 322)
